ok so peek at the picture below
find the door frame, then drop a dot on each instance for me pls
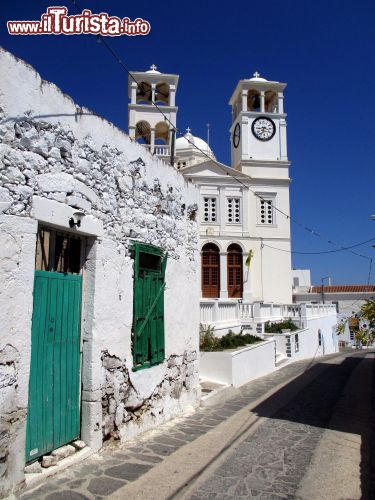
(82, 259)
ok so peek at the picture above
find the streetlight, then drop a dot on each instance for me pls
(325, 278)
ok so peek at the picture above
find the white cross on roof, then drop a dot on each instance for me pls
(153, 67)
(188, 130)
(256, 74)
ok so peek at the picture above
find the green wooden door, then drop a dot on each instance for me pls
(54, 395)
(148, 325)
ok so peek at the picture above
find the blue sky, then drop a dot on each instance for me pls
(324, 50)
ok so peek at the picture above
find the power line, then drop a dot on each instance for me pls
(370, 259)
(177, 131)
(326, 251)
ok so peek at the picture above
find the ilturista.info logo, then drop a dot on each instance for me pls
(56, 21)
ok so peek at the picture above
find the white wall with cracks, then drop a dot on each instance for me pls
(56, 158)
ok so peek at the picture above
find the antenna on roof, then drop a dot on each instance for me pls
(208, 133)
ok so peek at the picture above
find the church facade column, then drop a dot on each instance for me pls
(152, 140)
(223, 276)
(262, 105)
(280, 102)
(244, 100)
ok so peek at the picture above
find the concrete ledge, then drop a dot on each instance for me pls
(35, 479)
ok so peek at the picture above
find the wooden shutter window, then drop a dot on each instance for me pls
(210, 271)
(148, 309)
(234, 271)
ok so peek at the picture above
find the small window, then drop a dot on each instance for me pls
(266, 214)
(233, 210)
(58, 252)
(209, 210)
(149, 261)
(320, 337)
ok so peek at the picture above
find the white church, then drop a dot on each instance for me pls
(244, 207)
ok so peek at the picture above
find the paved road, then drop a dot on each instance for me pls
(304, 431)
(317, 446)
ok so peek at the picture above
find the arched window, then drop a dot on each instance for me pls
(143, 132)
(270, 101)
(210, 271)
(234, 269)
(162, 94)
(253, 100)
(161, 133)
(144, 93)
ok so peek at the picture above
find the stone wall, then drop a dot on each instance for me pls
(57, 158)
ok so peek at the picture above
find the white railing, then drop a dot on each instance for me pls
(219, 311)
(234, 311)
(159, 149)
(246, 311)
(207, 312)
(227, 311)
(317, 310)
(162, 150)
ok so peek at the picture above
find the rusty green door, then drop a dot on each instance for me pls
(54, 386)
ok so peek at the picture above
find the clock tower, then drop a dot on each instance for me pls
(258, 131)
(259, 150)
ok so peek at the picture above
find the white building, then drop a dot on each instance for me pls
(242, 207)
(244, 225)
(98, 250)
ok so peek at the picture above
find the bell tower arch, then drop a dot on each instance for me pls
(258, 131)
(146, 123)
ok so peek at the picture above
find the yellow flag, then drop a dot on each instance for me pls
(248, 259)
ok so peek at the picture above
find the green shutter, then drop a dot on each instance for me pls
(148, 323)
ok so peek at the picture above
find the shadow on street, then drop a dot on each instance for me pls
(314, 404)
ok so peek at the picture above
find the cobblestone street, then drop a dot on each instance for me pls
(268, 454)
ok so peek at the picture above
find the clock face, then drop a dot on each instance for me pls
(236, 135)
(263, 128)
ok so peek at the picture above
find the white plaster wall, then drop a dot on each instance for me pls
(238, 367)
(327, 325)
(51, 159)
(270, 276)
(304, 278)
(253, 362)
(17, 245)
(309, 338)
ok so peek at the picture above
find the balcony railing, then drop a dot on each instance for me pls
(159, 149)
(162, 150)
(227, 311)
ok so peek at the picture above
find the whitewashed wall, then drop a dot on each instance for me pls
(239, 366)
(55, 157)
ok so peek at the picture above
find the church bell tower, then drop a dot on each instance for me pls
(258, 131)
(146, 124)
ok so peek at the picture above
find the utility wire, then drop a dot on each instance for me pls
(177, 131)
(326, 251)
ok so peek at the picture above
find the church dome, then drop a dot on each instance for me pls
(190, 142)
